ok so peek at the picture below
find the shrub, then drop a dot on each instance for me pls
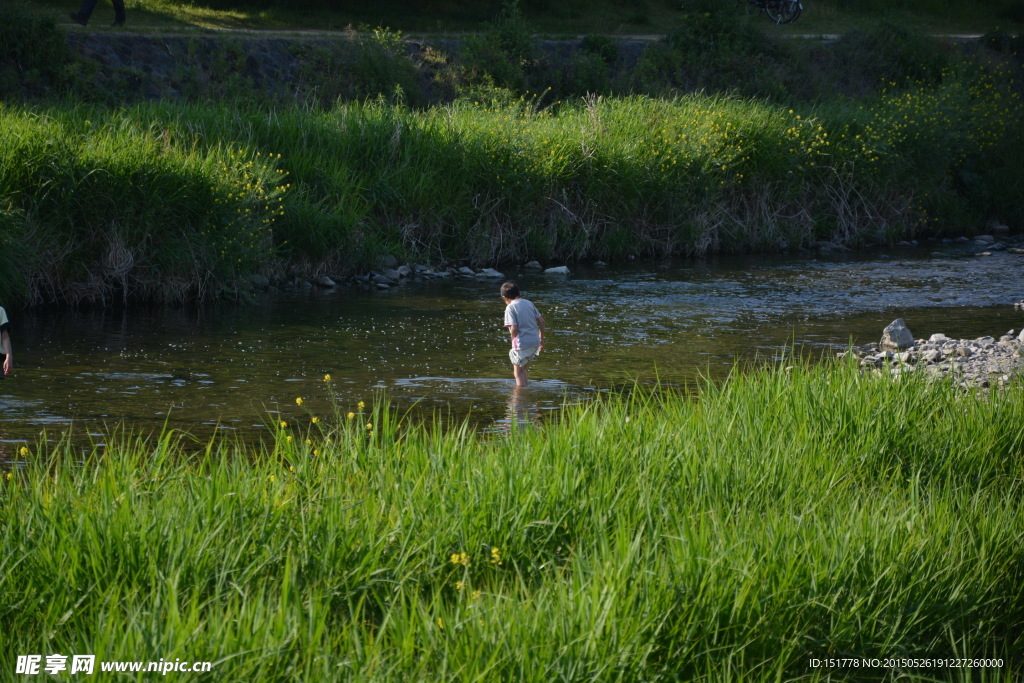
(32, 53)
(371, 63)
(586, 72)
(16, 258)
(505, 52)
(1004, 42)
(714, 51)
(886, 56)
(603, 47)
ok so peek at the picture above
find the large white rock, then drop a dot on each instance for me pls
(897, 336)
(559, 270)
(490, 274)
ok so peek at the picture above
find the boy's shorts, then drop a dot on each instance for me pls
(521, 357)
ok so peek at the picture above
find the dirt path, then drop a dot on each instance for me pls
(319, 33)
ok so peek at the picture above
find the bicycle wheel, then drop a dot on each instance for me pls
(783, 11)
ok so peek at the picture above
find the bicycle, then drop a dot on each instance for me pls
(779, 11)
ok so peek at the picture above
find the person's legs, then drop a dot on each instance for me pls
(119, 13)
(521, 372)
(84, 12)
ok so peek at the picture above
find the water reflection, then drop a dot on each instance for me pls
(522, 411)
(524, 406)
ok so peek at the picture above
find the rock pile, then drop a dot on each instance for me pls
(393, 274)
(387, 278)
(971, 363)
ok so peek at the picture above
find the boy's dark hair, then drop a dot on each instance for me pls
(510, 290)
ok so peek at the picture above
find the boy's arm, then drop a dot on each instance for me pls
(541, 326)
(5, 341)
(513, 330)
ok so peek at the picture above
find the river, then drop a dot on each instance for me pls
(438, 348)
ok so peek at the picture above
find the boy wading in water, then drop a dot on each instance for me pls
(526, 325)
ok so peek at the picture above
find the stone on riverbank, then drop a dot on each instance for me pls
(559, 271)
(260, 282)
(970, 363)
(382, 279)
(490, 274)
(896, 336)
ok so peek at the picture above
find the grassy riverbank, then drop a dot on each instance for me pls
(782, 516)
(718, 139)
(172, 201)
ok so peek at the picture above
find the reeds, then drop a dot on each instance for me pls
(783, 515)
(167, 201)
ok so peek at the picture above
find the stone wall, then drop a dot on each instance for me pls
(136, 66)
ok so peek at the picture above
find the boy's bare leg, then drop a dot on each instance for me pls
(520, 372)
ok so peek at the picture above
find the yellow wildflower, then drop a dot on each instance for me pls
(460, 558)
(351, 415)
(327, 378)
(298, 401)
(23, 451)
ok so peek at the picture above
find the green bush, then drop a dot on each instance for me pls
(886, 56)
(122, 209)
(369, 64)
(16, 256)
(33, 57)
(505, 53)
(1004, 42)
(718, 52)
(603, 47)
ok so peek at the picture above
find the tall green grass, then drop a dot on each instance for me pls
(106, 207)
(781, 516)
(171, 201)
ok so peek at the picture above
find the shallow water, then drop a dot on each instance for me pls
(439, 347)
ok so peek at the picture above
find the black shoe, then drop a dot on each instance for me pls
(78, 18)
(118, 22)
